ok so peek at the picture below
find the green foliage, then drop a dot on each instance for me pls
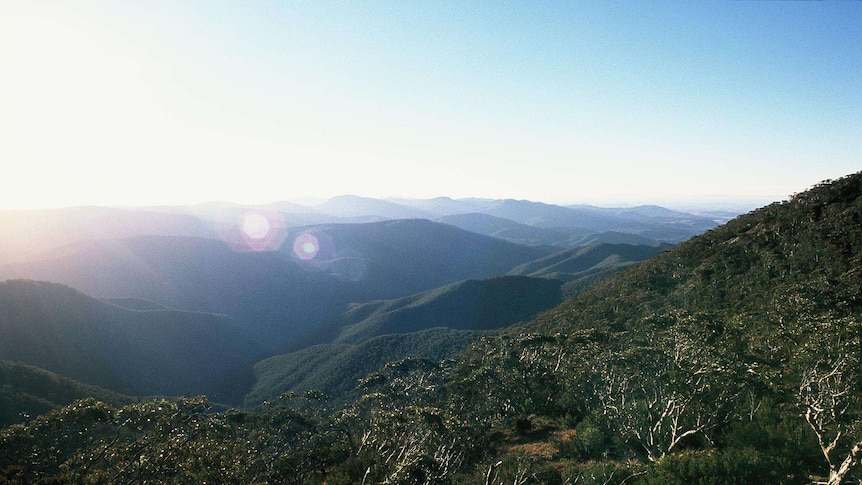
(590, 442)
(665, 358)
(771, 446)
(733, 466)
(509, 378)
(27, 391)
(171, 442)
(335, 369)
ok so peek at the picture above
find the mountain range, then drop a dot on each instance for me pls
(277, 297)
(28, 233)
(209, 269)
(732, 357)
(202, 259)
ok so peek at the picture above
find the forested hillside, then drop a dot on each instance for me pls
(434, 325)
(335, 368)
(171, 352)
(24, 387)
(468, 305)
(583, 266)
(733, 358)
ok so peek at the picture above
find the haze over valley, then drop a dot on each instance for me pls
(281, 276)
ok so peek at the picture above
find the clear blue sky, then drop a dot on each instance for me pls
(183, 102)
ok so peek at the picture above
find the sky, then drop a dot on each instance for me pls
(165, 102)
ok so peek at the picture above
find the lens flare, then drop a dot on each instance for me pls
(256, 230)
(306, 246)
(255, 226)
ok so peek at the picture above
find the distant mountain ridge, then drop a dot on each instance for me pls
(548, 223)
(355, 206)
(510, 230)
(526, 234)
(28, 235)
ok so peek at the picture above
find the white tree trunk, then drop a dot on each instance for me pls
(837, 476)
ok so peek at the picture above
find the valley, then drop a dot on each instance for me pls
(208, 269)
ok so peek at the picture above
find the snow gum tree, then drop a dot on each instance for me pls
(829, 396)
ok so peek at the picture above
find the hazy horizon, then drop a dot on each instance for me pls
(707, 204)
(159, 103)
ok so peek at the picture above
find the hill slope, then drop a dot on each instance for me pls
(433, 325)
(808, 248)
(336, 368)
(752, 329)
(30, 391)
(512, 231)
(586, 261)
(467, 305)
(135, 352)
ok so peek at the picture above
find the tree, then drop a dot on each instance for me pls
(398, 429)
(829, 398)
(665, 389)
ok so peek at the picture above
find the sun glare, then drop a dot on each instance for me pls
(259, 231)
(306, 246)
(255, 226)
